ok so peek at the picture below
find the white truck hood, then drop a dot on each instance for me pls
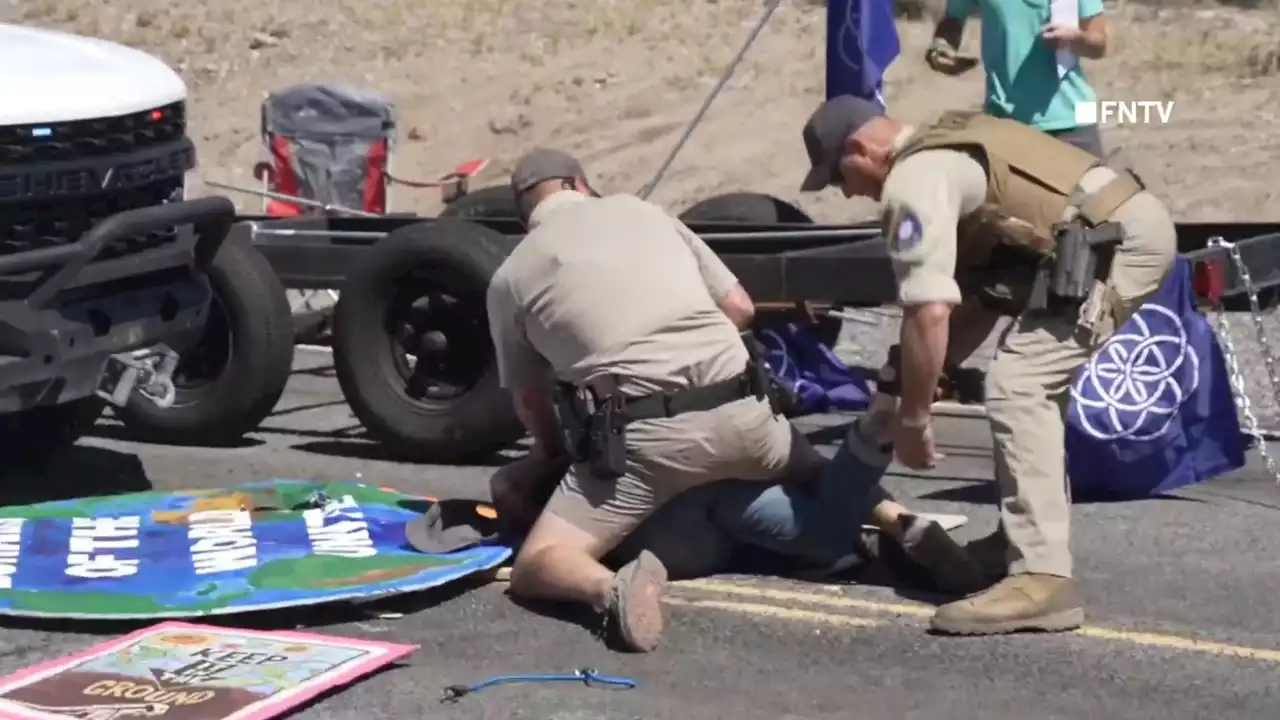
(48, 76)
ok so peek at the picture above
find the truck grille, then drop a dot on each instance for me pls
(78, 139)
(52, 222)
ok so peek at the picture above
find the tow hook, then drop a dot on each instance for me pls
(149, 371)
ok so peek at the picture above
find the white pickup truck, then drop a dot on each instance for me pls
(103, 264)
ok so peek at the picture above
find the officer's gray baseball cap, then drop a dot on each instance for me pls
(542, 164)
(825, 133)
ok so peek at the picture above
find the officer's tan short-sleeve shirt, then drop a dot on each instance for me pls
(612, 286)
(924, 197)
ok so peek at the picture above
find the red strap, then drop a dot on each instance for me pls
(375, 181)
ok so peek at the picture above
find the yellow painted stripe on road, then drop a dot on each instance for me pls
(774, 611)
(1146, 639)
(830, 600)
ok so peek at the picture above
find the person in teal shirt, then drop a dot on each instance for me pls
(1018, 53)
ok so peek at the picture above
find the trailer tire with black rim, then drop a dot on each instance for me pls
(496, 201)
(411, 344)
(232, 379)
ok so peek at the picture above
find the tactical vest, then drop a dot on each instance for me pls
(1032, 180)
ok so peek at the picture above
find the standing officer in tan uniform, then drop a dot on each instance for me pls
(634, 323)
(1036, 229)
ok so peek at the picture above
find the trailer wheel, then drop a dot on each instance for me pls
(231, 380)
(491, 202)
(746, 207)
(411, 343)
(36, 435)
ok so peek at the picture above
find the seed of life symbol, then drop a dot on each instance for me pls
(852, 56)
(1134, 385)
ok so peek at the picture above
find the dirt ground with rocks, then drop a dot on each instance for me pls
(615, 82)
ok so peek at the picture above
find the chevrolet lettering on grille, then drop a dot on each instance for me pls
(32, 183)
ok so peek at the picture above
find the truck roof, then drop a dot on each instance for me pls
(52, 76)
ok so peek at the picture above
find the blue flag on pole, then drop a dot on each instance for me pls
(1153, 409)
(862, 41)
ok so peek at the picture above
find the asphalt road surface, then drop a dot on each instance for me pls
(1181, 598)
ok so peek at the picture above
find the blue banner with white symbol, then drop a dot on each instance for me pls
(819, 381)
(1153, 409)
(862, 41)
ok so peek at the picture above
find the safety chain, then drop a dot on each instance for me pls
(1233, 361)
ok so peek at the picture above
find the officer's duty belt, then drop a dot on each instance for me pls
(697, 399)
(1097, 207)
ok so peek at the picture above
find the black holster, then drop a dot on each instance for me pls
(763, 384)
(595, 433)
(1084, 256)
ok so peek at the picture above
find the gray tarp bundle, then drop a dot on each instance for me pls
(330, 130)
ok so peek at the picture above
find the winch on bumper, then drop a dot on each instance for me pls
(73, 325)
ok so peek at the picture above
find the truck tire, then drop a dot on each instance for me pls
(232, 379)
(491, 202)
(422, 292)
(36, 435)
(746, 207)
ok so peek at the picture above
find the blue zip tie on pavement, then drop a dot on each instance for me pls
(586, 676)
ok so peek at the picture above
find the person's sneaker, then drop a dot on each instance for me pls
(1018, 603)
(932, 548)
(634, 614)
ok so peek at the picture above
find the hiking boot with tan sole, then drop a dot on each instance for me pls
(635, 608)
(1019, 603)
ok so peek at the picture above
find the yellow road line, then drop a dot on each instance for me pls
(763, 610)
(830, 600)
(1146, 639)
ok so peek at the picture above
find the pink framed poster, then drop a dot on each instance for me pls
(184, 671)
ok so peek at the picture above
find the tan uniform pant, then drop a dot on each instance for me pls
(666, 457)
(1028, 388)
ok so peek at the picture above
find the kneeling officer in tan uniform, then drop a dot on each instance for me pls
(1036, 229)
(635, 324)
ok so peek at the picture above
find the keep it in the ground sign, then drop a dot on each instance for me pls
(181, 671)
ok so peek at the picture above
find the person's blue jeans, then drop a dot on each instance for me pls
(817, 524)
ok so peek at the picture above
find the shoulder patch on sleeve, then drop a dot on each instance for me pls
(903, 230)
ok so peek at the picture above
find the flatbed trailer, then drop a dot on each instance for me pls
(782, 265)
(843, 265)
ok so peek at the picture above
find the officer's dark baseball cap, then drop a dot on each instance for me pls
(542, 164)
(825, 133)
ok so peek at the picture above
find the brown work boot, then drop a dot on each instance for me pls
(1028, 601)
(634, 615)
(931, 547)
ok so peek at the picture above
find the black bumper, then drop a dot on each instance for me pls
(74, 313)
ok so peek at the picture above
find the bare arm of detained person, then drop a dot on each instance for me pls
(924, 197)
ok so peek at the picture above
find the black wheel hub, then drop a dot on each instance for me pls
(439, 340)
(207, 360)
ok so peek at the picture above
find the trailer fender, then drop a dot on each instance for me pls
(746, 207)
(411, 344)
